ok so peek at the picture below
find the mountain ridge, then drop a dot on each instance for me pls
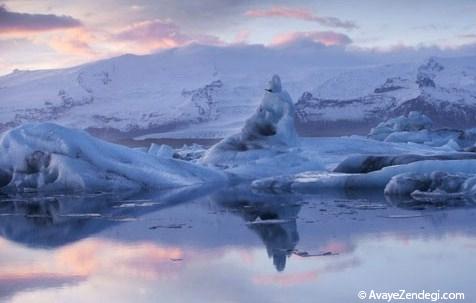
(201, 88)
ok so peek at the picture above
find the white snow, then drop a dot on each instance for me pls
(207, 92)
(184, 87)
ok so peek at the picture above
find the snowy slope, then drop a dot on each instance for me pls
(442, 88)
(195, 84)
(207, 92)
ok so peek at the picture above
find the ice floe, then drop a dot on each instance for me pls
(49, 157)
(417, 128)
(435, 186)
(375, 180)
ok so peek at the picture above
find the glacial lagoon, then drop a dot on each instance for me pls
(231, 244)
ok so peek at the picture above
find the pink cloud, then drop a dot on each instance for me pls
(142, 260)
(300, 14)
(166, 34)
(156, 34)
(328, 38)
(337, 247)
(76, 42)
(94, 256)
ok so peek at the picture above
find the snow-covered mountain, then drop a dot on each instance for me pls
(163, 91)
(204, 91)
(442, 88)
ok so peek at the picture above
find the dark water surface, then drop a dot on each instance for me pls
(230, 245)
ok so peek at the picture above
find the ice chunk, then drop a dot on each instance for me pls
(191, 152)
(368, 163)
(161, 151)
(268, 142)
(317, 181)
(414, 121)
(417, 128)
(49, 157)
(437, 186)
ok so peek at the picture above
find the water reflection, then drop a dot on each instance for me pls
(271, 217)
(204, 245)
(49, 221)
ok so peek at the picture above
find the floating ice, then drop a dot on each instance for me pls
(435, 186)
(368, 163)
(316, 181)
(49, 157)
(414, 121)
(417, 128)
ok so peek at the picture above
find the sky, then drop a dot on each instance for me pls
(36, 34)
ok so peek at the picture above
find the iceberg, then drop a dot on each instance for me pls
(413, 122)
(267, 144)
(417, 128)
(49, 157)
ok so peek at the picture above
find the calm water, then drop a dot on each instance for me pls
(230, 245)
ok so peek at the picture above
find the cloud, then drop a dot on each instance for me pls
(300, 14)
(327, 38)
(20, 23)
(75, 42)
(92, 256)
(156, 34)
(162, 33)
